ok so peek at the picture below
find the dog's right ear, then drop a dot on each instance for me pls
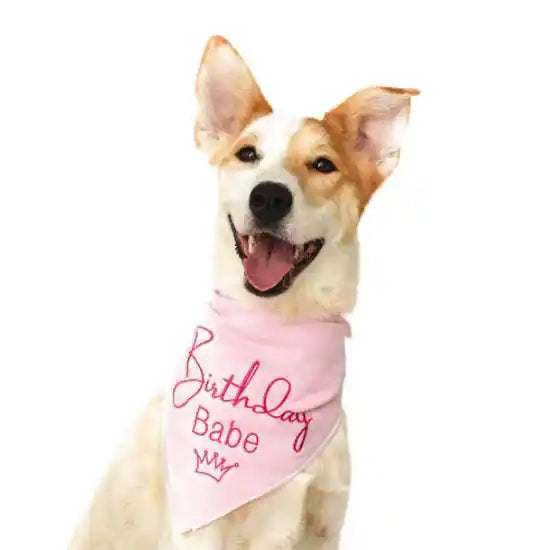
(228, 97)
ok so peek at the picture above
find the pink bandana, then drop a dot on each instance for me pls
(254, 402)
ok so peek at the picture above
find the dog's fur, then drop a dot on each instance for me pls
(362, 138)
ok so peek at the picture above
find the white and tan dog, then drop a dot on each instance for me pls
(307, 181)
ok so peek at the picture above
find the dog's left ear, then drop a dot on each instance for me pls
(371, 124)
(227, 94)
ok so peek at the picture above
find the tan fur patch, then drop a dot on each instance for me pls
(225, 156)
(349, 188)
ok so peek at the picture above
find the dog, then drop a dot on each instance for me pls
(291, 194)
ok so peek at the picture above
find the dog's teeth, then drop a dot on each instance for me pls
(251, 244)
(297, 252)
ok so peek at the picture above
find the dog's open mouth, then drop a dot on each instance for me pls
(270, 263)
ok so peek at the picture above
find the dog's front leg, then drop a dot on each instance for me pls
(328, 496)
(324, 519)
(276, 521)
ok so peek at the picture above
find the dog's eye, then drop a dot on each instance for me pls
(247, 154)
(324, 165)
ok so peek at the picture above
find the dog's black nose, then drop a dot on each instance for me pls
(270, 202)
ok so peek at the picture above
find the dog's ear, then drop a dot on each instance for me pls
(228, 96)
(371, 123)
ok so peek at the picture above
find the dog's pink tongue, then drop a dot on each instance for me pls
(268, 263)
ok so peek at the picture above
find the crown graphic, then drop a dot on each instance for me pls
(212, 465)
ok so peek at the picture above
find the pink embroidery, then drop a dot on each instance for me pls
(277, 392)
(192, 362)
(212, 465)
(217, 430)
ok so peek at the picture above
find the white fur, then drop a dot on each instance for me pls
(273, 134)
(129, 510)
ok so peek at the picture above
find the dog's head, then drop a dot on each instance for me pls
(292, 191)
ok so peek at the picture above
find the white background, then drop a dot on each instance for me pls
(106, 211)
